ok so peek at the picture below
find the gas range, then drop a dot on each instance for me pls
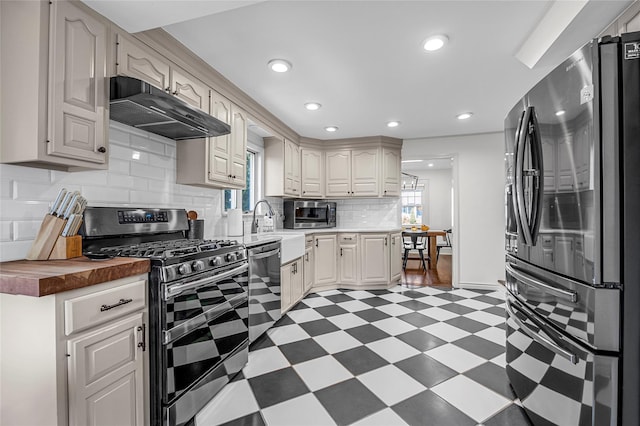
(198, 304)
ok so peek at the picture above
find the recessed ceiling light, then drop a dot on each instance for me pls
(412, 161)
(435, 42)
(430, 164)
(331, 128)
(464, 115)
(393, 124)
(312, 106)
(280, 65)
(559, 113)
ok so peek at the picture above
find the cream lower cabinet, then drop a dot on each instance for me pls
(308, 268)
(325, 259)
(348, 258)
(76, 358)
(395, 256)
(374, 259)
(61, 46)
(291, 283)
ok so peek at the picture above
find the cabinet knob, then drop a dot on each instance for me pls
(175, 93)
(102, 150)
(168, 89)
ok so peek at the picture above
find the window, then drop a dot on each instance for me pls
(412, 207)
(244, 199)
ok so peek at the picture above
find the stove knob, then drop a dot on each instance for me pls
(231, 257)
(198, 265)
(184, 269)
(216, 261)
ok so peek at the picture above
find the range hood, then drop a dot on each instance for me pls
(139, 104)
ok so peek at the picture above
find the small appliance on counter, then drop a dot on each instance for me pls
(301, 214)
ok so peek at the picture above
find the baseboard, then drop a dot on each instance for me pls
(481, 286)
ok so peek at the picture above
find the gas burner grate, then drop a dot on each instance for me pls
(167, 249)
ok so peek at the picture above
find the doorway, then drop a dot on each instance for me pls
(429, 197)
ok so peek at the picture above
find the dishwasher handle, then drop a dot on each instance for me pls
(262, 255)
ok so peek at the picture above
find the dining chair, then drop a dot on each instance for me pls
(445, 243)
(420, 245)
(407, 245)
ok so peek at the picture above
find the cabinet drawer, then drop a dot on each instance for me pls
(348, 238)
(87, 311)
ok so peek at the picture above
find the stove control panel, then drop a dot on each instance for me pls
(200, 262)
(142, 216)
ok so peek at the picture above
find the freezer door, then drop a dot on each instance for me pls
(589, 314)
(558, 381)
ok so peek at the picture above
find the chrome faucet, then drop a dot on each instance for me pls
(254, 221)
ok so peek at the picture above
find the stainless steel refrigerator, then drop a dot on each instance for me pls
(572, 240)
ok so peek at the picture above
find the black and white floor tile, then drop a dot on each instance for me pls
(403, 356)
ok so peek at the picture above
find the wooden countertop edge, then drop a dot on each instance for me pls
(42, 279)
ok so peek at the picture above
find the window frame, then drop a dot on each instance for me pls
(418, 190)
(258, 177)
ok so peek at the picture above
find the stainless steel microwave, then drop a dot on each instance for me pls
(300, 214)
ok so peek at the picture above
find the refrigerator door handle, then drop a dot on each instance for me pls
(537, 172)
(572, 296)
(549, 344)
(521, 138)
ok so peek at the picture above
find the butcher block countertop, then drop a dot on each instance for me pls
(41, 278)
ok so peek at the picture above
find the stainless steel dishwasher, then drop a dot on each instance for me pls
(264, 287)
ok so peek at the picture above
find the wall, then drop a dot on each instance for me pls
(479, 177)
(142, 173)
(437, 197)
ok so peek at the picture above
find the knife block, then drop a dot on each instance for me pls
(67, 248)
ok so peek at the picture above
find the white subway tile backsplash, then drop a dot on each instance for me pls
(6, 227)
(162, 161)
(118, 136)
(170, 150)
(70, 179)
(145, 144)
(121, 152)
(143, 170)
(127, 182)
(14, 250)
(102, 194)
(24, 210)
(26, 230)
(21, 173)
(29, 191)
(119, 166)
(151, 198)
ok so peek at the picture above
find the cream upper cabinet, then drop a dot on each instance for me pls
(390, 172)
(348, 258)
(325, 260)
(282, 167)
(395, 256)
(374, 258)
(135, 61)
(218, 162)
(352, 173)
(312, 173)
(61, 46)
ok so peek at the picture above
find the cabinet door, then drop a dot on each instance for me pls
(189, 89)
(325, 266)
(395, 254)
(286, 278)
(390, 172)
(364, 172)
(308, 269)
(348, 260)
(311, 173)
(374, 259)
(134, 61)
(220, 146)
(238, 147)
(338, 173)
(77, 78)
(297, 281)
(291, 168)
(106, 374)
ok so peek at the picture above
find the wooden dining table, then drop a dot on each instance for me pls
(432, 235)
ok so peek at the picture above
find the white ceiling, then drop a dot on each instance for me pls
(363, 60)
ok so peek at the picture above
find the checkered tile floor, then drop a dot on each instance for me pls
(404, 356)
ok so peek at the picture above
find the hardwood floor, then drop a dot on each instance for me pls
(414, 275)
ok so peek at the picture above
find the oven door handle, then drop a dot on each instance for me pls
(174, 290)
(548, 344)
(572, 296)
(263, 255)
(188, 326)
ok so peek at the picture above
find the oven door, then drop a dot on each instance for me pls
(557, 380)
(204, 324)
